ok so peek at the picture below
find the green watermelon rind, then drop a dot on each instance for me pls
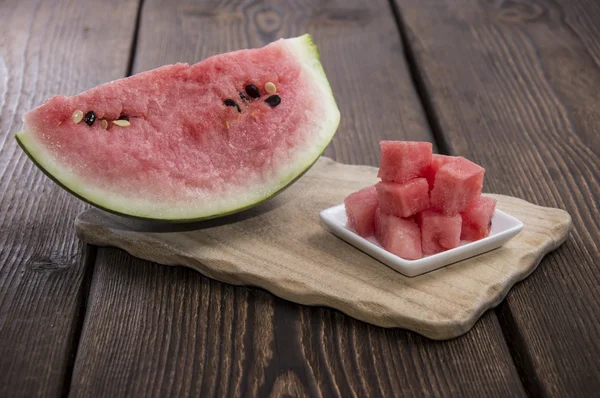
(306, 52)
(178, 220)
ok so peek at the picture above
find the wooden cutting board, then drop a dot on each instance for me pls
(281, 246)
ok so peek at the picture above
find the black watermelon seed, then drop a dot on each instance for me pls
(89, 118)
(124, 118)
(244, 97)
(273, 100)
(252, 91)
(230, 102)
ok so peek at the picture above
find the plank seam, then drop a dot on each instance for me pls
(419, 84)
(89, 265)
(531, 386)
(90, 257)
(134, 42)
(522, 360)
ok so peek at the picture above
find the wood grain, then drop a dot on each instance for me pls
(273, 345)
(512, 85)
(283, 248)
(47, 48)
(197, 337)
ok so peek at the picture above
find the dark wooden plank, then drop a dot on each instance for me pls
(151, 329)
(46, 48)
(513, 85)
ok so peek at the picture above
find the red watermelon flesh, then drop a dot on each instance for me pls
(456, 184)
(404, 160)
(398, 236)
(186, 154)
(403, 200)
(360, 210)
(377, 224)
(437, 161)
(439, 232)
(477, 219)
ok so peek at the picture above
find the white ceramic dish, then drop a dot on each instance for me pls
(504, 227)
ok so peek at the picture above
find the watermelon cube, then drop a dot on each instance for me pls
(456, 184)
(477, 219)
(398, 236)
(437, 161)
(439, 232)
(379, 224)
(403, 160)
(403, 200)
(360, 209)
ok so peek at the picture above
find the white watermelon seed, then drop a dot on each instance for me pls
(122, 123)
(270, 88)
(104, 124)
(77, 116)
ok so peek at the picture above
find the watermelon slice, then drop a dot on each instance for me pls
(187, 142)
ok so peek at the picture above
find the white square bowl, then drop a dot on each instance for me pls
(504, 227)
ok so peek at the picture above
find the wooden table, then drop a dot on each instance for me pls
(514, 85)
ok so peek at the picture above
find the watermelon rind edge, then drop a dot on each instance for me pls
(179, 220)
(305, 50)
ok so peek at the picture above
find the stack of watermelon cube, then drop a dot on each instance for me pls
(425, 203)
